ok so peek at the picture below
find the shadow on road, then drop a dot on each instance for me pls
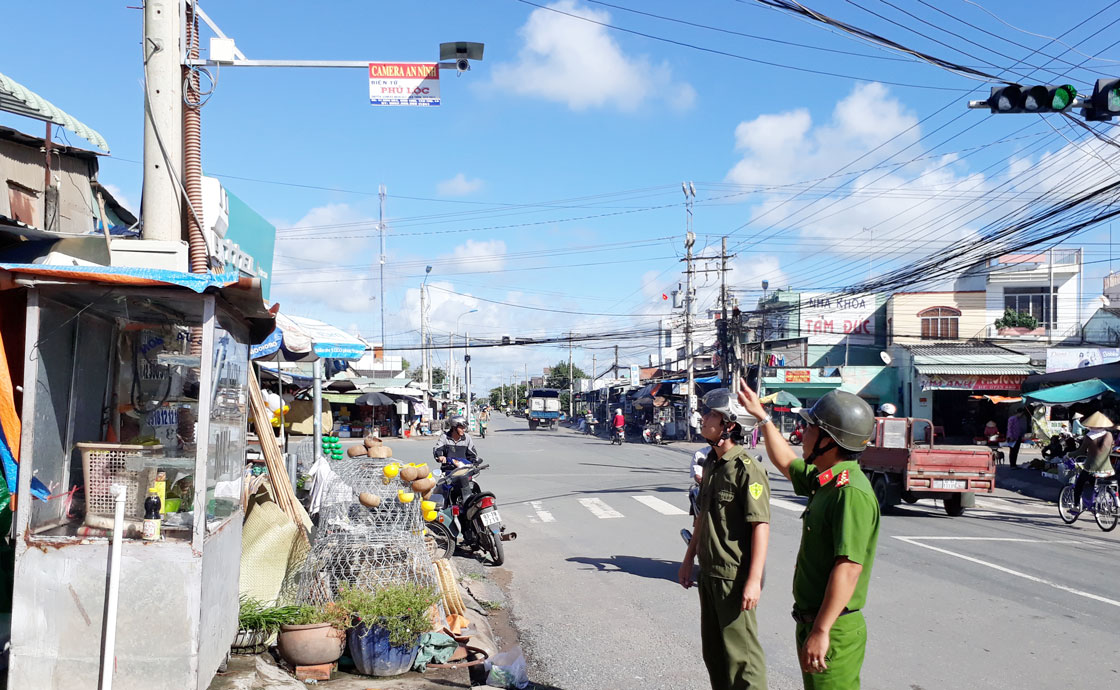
(653, 568)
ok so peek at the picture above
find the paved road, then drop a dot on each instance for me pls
(1005, 596)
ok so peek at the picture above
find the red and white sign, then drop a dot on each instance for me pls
(404, 83)
(828, 319)
(975, 382)
(798, 376)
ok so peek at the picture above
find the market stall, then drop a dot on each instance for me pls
(134, 385)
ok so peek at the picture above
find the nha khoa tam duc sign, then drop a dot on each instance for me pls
(831, 319)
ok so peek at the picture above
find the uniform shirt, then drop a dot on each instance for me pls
(734, 492)
(842, 519)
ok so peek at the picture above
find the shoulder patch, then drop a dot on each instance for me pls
(756, 490)
(842, 479)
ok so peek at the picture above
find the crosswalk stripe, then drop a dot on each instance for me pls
(542, 514)
(786, 505)
(660, 506)
(599, 509)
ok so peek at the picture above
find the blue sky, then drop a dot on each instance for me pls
(572, 137)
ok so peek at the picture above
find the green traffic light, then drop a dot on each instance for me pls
(1114, 100)
(1063, 97)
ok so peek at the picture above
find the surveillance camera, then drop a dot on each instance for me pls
(462, 64)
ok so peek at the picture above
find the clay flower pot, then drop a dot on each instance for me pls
(310, 645)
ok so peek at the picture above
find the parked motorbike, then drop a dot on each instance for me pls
(796, 435)
(468, 515)
(618, 435)
(652, 433)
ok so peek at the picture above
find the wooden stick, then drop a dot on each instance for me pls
(273, 459)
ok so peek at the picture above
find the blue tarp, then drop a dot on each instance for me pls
(298, 339)
(1070, 393)
(197, 282)
(702, 379)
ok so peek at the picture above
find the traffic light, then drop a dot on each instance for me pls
(1031, 99)
(1105, 102)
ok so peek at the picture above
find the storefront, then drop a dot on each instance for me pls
(959, 399)
(875, 384)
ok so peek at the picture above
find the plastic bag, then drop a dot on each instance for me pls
(508, 669)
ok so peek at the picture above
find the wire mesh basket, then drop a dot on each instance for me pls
(364, 548)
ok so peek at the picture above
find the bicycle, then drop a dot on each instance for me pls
(1102, 498)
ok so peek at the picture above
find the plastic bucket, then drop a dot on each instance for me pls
(374, 656)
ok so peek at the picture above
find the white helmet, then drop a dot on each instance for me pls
(722, 401)
(618, 410)
(888, 409)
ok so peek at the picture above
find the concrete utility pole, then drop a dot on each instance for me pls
(571, 379)
(425, 335)
(163, 122)
(723, 371)
(689, 240)
(761, 336)
(467, 373)
(381, 259)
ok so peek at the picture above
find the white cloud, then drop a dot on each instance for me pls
(122, 198)
(575, 62)
(305, 271)
(459, 186)
(476, 255)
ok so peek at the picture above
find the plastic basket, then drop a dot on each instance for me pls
(106, 464)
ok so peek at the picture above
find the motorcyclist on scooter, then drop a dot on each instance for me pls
(454, 448)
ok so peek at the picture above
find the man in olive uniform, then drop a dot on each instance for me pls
(731, 532)
(840, 530)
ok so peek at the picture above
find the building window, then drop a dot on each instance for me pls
(940, 323)
(1030, 300)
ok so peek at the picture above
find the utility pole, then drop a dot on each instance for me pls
(762, 337)
(163, 123)
(723, 370)
(689, 240)
(450, 368)
(592, 369)
(467, 373)
(381, 259)
(571, 380)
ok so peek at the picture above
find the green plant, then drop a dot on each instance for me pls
(1016, 319)
(402, 610)
(254, 614)
(490, 605)
(332, 613)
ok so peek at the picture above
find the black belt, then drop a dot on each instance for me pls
(807, 617)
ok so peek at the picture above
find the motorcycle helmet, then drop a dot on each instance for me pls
(618, 410)
(845, 417)
(456, 421)
(887, 410)
(723, 402)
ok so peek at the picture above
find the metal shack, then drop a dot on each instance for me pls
(134, 378)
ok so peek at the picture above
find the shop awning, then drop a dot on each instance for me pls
(1074, 392)
(781, 398)
(998, 399)
(976, 369)
(404, 392)
(17, 98)
(342, 398)
(299, 339)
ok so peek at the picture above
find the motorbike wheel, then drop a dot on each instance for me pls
(1067, 507)
(493, 544)
(794, 440)
(1106, 509)
(445, 543)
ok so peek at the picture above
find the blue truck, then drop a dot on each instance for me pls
(544, 408)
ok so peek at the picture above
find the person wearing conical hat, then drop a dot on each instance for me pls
(1097, 446)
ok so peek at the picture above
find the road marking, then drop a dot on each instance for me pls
(1088, 595)
(599, 509)
(660, 506)
(787, 505)
(1000, 505)
(542, 514)
(1017, 539)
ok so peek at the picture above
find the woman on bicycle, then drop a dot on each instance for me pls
(1096, 445)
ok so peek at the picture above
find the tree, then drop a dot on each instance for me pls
(417, 374)
(1016, 319)
(438, 376)
(559, 377)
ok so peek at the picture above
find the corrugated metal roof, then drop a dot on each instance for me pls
(959, 355)
(17, 98)
(976, 369)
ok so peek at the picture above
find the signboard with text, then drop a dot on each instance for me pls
(972, 382)
(1065, 358)
(798, 376)
(830, 319)
(404, 83)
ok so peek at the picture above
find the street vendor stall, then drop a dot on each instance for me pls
(134, 385)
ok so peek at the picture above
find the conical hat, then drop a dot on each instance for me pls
(1098, 420)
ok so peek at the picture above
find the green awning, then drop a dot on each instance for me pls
(1074, 392)
(341, 398)
(17, 98)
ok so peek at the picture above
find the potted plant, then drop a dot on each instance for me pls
(314, 635)
(257, 622)
(1018, 323)
(386, 626)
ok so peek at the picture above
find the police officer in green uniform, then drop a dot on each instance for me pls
(731, 532)
(839, 533)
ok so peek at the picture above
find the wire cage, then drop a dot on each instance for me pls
(365, 548)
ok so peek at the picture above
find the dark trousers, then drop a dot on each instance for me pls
(1015, 451)
(1083, 478)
